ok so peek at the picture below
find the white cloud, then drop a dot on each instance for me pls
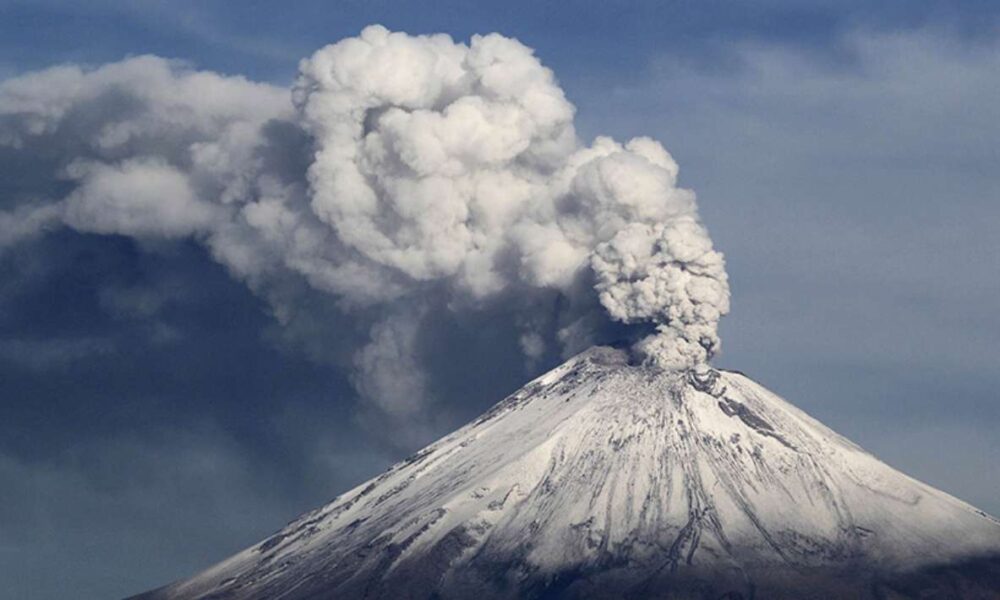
(387, 368)
(136, 198)
(436, 174)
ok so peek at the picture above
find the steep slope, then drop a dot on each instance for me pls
(604, 479)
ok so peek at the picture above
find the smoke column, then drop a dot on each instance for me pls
(401, 175)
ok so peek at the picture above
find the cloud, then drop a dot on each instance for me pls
(143, 147)
(398, 172)
(136, 198)
(49, 353)
(647, 267)
(25, 222)
(98, 503)
(386, 368)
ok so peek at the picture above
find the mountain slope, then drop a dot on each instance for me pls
(604, 479)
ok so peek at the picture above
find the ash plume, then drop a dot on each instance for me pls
(400, 175)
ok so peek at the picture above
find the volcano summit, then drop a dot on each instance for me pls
(607, 479)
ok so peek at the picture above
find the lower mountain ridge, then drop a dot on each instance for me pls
(605, 479)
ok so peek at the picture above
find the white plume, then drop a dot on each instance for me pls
(404, 170)
(666, 274)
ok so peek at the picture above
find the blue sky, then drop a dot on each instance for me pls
(154, 417)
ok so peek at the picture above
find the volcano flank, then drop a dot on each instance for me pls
(607, 479)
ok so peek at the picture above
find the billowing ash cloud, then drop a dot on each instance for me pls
(402, 175)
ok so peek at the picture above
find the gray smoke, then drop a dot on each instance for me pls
(398, 172)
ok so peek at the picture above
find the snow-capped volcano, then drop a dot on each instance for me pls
(603, 479)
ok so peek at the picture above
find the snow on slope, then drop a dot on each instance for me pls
(604, 479)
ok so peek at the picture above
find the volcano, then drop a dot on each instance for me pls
(607, 479)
